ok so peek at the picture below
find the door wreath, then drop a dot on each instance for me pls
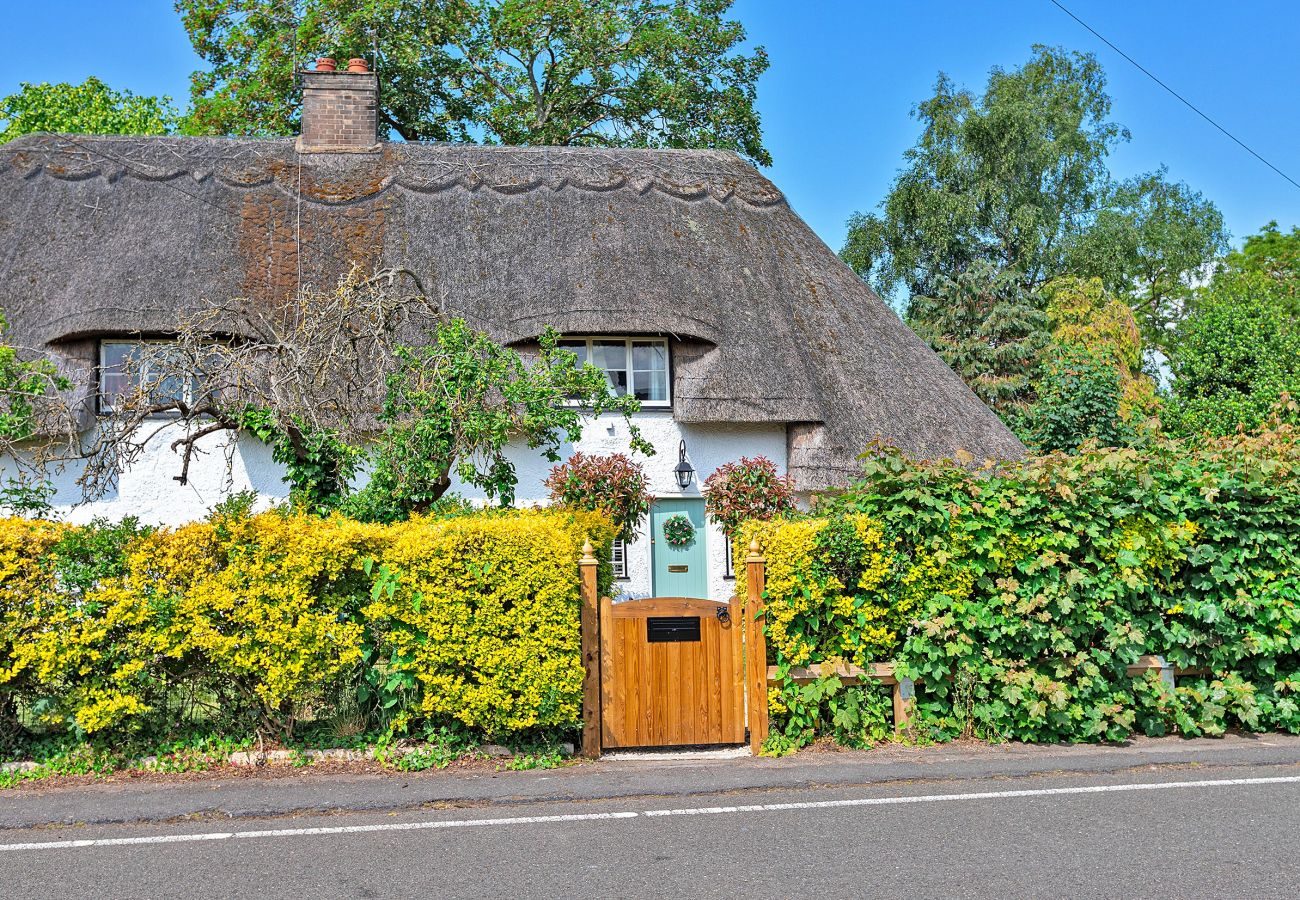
(678, 531)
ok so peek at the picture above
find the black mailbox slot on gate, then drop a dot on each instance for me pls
(670, 629)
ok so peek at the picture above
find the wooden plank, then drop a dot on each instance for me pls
(658, 669)
(691, 688)
(733, 677)
(884, 672)
(665, 606)
(728, 685)
(589, 624)
(672, 707)
(849, 674)
(1145, 664)
(635, 678)
(711, 687)
(700, 687)
(610, 703)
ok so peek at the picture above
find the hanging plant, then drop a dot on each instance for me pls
(678, 531)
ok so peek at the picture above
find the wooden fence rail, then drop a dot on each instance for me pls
(904, 690)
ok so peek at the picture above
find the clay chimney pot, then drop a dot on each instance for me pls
(358, 65)
(325, 64)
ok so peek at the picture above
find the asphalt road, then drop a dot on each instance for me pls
(1185, 832)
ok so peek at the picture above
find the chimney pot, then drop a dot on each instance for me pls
(358, 66)
(325, 64)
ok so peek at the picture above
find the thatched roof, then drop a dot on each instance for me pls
(115, 235)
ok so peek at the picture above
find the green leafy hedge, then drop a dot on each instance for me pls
(1040, 583)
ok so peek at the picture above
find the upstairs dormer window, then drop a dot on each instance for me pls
(636, 366)
(128, 366)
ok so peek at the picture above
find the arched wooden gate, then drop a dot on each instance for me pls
(672, 671)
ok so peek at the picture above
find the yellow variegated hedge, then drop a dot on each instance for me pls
(484, 614)
(837, 589)
(266, 618)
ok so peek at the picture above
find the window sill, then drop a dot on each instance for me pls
(665, 405)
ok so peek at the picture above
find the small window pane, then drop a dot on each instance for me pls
(126, 366)
(651, 386)
(172, 389)
(618, 556)
(112, 373)
(611, 356)
(579, 349)
(651, 355)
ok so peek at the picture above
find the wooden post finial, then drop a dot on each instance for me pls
(755, 551)
(588, 551)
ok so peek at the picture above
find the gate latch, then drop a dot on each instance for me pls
(724, 615)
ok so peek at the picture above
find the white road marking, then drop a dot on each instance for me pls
(653, 813)
(982, 795)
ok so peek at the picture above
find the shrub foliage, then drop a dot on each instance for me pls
(748, 489)
(1018, 598)
(258, 621)
(613, 485)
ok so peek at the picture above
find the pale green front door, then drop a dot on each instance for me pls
(679, 571)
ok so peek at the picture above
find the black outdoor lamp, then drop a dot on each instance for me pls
(685, 474)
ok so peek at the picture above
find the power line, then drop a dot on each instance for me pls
(1180, 97)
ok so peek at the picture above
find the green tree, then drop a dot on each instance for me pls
(1148, 244)
(1235, 356)
(1274, 253)
(91, 107)
(318, 465)
(989, 328)
(452, 406)
(628, 73)
(1017, 178)
(25, 386)
(1083, 313)
(1078, 400)
(1006, 178)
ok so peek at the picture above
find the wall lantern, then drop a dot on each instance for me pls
(685, 474)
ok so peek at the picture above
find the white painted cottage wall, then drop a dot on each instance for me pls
(707, 448)
(150, 492)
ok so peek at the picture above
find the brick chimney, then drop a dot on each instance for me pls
(339, 109)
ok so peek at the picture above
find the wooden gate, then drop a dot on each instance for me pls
(671, 673)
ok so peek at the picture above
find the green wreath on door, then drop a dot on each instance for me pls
(679, 531)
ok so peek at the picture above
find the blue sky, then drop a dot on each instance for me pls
(844, 76)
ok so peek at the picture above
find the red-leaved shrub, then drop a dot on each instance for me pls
(749, 489)
(613, 485)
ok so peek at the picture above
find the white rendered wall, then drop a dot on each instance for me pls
(707, 447)
(149, 490)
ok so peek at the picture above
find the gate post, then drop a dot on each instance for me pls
(590, 625)
(756, 646)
